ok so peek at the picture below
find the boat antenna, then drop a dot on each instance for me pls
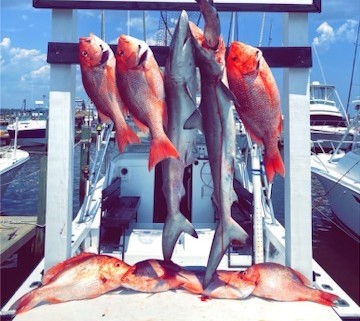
(320, 66)
(103, 25)
(262, 29)
(353, 68)
(270, 32)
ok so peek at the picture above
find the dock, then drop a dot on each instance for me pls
(177, 306)
(15, 232)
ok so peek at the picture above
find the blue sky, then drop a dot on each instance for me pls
(25, 32)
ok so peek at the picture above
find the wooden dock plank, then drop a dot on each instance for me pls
(15, 232)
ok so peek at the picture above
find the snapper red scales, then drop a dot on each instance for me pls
(254, 86)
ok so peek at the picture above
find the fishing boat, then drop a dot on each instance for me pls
(339, 174)
(132, 230)
(11, 161)
(31, 128)
(327, 123)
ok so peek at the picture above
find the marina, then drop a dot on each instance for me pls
(123, 213)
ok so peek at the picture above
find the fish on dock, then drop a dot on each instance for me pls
(97, 64)
(152, 276)
(281, 283)
(258, 101)
(215, 118)
(141, 85)
(180, 88)
(80, 278)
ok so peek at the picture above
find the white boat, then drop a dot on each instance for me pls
(327, 123)
(11, 161)
(31, 129)
(138, 237)
(339, 174)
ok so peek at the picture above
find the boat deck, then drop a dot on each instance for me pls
(179, 305)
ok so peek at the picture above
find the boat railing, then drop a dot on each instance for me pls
(337, 124)
(102, 144)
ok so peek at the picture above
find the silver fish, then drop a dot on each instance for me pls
(180, 88)
(212, 25)
(215, 116)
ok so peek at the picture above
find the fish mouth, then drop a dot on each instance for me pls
(104, 57)
(143, 56)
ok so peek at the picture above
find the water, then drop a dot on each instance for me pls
(333, 249)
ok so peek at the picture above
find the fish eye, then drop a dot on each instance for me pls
(234, 58)
(101, 47)
(117, 264)
(84, 53)
(121, 52)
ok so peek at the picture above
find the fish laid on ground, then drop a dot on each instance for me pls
(141, 86)
(216, 120)
(180, 88)
(88, 278)
(277, 282)
(57, 268)
(224, 285)
(97, 63)
(254, 86)
(152, 276)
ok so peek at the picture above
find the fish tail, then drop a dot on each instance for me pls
(125, 137)
(28, 301)
(174, 226)
(273, 164)
(325, 298)
(160, 149)
(226, 231)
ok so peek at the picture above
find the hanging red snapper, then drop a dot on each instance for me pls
(97, 63)
(254, 86)
(80, 278)
(141, 86)
(281, 283)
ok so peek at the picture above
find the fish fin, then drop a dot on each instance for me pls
(273, 164)
(54, 270)
(125, 137)
(174, 226)
(194, 121)
(160, 149)
(164, 114)
(226, 231)
(302, 277)
(28, 301)
(229, 93)
(189, 93)
(325, 298)
(104, 118)
(142, 127)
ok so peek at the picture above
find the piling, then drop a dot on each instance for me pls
(84, 161)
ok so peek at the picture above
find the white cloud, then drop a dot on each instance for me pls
(328, 35)
(24, 74)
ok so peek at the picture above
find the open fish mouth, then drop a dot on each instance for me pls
(142, 57)
(104, 57)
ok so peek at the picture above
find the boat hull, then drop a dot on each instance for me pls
(31, 137)
(9, 169)
(344, 202)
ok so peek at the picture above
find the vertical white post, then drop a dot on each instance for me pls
(298, 237)
(258, 240)
(60, 146)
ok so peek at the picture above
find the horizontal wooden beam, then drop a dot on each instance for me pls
(225, 5)
(277, 57)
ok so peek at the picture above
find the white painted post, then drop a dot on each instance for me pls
(258, 240)
(60, 146)
(298, 215)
